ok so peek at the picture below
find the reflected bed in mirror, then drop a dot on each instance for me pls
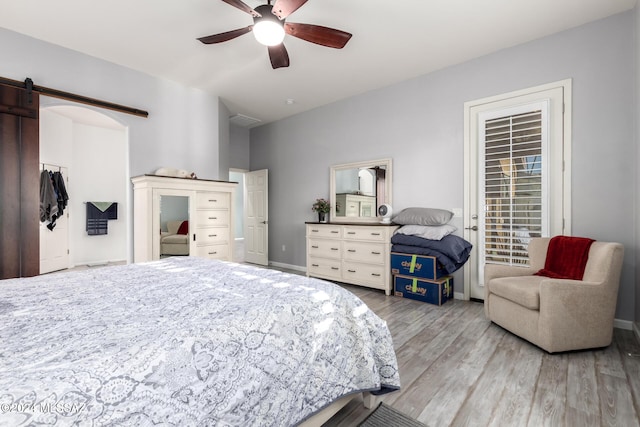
(358, 189)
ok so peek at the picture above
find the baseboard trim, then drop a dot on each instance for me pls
(458, 295)
(623, 324)
(288, 266)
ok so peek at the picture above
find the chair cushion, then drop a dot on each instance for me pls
(522, 290)
(176, 238)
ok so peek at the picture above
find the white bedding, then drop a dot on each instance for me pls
(184, 341)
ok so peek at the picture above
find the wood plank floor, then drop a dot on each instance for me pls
(459, 369)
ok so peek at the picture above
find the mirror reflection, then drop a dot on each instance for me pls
(357, 189)
(174, 225)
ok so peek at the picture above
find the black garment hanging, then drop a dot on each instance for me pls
(63, 197)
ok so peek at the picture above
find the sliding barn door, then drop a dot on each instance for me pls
(19, 183)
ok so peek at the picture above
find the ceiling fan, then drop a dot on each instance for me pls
(269, 28)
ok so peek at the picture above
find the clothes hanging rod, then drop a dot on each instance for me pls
(55, 93)
(51, 165)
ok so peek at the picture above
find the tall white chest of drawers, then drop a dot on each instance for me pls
(351, 253)
(210, 215)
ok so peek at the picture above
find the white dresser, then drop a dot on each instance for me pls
(351, 253)
(210, 215)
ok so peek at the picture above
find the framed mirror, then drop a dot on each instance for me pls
(358, 189)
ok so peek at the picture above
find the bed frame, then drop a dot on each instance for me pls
(323, 416)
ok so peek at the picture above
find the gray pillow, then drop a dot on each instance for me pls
(423, 216)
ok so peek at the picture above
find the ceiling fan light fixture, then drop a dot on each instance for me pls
(268, 32)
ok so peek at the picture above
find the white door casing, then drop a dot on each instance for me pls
(552, 101)
(256, 217)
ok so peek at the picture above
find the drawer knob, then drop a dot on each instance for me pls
(315, 265)
(213, 253)
(352, 250)
(375, 253)
(334, 232)
(334, 268)
(213, 235)
(213, 217)
(375, 274)
(351, 271)
(314, 247)
(351, 232)
(334, 249)
(375, 234)
(314, 231)
(212, 200)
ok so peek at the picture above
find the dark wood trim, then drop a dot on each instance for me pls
(55, 93)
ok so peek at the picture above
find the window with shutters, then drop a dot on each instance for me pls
(514, 184)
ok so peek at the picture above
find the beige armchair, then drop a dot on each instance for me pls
(172, 243)
(556, 314)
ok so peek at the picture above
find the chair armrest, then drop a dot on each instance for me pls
(560, 294)
(573, 308)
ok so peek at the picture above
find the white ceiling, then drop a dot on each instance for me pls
(392, 41)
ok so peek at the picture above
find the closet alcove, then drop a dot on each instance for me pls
(92, 148)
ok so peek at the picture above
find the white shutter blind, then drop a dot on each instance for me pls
(513, 186)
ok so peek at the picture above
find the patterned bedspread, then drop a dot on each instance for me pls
(184, 341)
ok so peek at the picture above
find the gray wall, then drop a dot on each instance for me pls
(239, 147)
(419, 124)
(223, 142)
(182, 128)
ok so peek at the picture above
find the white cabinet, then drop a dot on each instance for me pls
(210, 215)
(355, 254)
(355, 205)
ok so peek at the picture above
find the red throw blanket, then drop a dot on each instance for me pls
(566, 257)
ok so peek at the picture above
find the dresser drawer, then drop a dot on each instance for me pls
(213, 251)
(324, 248)
(212, 218)
(212, 235)
(364, 251)
(325, 268)
(324, 231)
(374, 234)
(367, 273)
(212, 200)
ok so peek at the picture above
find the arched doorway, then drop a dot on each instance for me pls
(92, 147)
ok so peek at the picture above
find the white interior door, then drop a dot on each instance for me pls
(256, 217)
(54, 242)
(517, 182)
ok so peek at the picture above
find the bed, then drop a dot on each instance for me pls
(185, 341)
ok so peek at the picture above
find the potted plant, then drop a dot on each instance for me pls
(323, 207)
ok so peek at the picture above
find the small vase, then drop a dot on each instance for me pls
(322, 217)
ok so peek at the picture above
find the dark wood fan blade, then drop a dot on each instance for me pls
(223, 37)
(243, 7)
(284, 8)
(278, 56)
(317, 34)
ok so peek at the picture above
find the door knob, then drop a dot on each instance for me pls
(474, 228)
